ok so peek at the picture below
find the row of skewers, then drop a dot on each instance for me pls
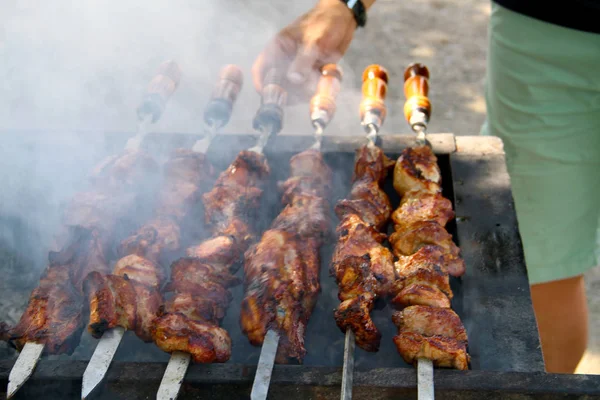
(281, 270)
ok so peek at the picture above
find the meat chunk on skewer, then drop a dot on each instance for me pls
(418, 206)
(433, 333)
(282, 270)
(130, 297)
(417, 170)
(53, 315)
(117, 182)
(118, 301)
(362, 266)
(422, 279)
(189, 321)
(198, 296)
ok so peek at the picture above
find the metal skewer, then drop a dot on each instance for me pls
(268, 121)
(372, 114)
(216, 115)
(159, 90)
(417, 110)
(322, 109)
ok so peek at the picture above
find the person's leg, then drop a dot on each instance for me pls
(543, 100)
(562, 316)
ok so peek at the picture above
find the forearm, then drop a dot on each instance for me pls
(367, 3)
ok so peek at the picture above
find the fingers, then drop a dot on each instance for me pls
(277, 54)
(303, 65)
(257, 71)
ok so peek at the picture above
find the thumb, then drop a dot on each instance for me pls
(302, 66)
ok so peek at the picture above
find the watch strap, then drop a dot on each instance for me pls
(359, 11)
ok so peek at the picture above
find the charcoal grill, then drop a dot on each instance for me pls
(492, 299)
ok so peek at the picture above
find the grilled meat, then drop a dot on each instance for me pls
(130, 297)
(282, 270)
(117, 183)
(119, 301)
(433, 333)
(53, 315)
(417, 170)
(198, 292)
(427, 255)
(4, 331)
(422, 274)
(145, 271)
(418, 206)
(362, 266)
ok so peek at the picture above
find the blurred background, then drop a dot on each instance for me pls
(74, 69)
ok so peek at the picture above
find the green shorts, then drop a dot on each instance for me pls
(543, 101)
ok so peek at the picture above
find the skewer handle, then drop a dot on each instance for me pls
(374, 90)
(322, 104)
(225, 93)
(417, 108)
(273, 99)
(160, 89)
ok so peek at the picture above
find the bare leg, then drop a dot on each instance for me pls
(562, 316)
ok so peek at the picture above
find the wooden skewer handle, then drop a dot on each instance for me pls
(374, 90)
(322, 105)
(417, 108)
(273, 100)
(224, 95)
(159, 90)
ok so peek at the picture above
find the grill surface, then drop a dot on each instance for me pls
(492, 298)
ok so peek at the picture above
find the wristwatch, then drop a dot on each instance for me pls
(359, 11)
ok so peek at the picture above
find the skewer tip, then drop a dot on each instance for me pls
(101, 359)
(266, 361)
(173, 377)
(23, 368)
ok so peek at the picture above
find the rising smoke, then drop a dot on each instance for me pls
(71, 70)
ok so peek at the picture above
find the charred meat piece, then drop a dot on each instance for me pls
(409, 239)
(117, 301)
(130, 297)
(423, 206)
(282, 270)
(187, 176)
(53, 315)
(197, 296)
(117, 183)
(417, 170)
(422, 274)
(232, 203)
(4, 331)
(139, 269)
(367, 199)
(206, 342)
(362, 266)
(433, 333)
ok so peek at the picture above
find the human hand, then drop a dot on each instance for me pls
(319, 37)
